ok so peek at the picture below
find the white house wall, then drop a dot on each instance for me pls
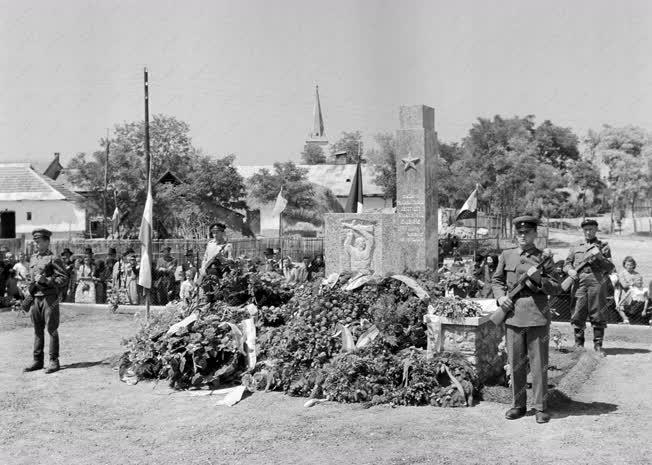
(62, 217)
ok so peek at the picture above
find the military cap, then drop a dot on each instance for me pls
(39, 233)
(66, 251)
(88, 251)
(190, 253)
(526, 222)
(219, 226)
(589, 222)
(167, 248)
(130, 251)
(268, 251)
(112, 251)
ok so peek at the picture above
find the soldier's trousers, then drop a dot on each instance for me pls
(590, 302)
(45, 315)
(523, 344)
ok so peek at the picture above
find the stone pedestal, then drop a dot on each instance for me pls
(476, 338)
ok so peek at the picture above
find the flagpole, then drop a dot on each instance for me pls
(280, 236)
(148, 171)
(475, 228)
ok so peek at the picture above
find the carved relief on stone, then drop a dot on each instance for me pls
(460, 340)
(359, 243)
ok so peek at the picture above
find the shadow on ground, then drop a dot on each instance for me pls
(563, 406)
(71, 366)
(623, 351)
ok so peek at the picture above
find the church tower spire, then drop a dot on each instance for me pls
(317, 135)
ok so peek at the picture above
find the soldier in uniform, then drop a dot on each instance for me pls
(527, 324)
(590, 285)
(48, 276)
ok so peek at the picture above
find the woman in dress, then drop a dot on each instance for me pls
(131, 271)
(633, 294)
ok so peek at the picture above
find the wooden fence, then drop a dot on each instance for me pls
(296, 248)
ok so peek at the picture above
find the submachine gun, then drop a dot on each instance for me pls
(590, 255)
(525, 281)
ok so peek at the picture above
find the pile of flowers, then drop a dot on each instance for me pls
(316, 339)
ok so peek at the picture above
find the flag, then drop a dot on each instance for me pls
(355, 202)
(281, 203)
(470, 207)
(115, 220)
(145, 236)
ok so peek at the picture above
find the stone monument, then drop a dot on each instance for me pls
(382, 243)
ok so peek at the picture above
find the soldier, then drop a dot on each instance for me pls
(527, 323)
(48, 276)
(590, 285)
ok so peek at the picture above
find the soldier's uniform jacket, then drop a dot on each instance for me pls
(530, 306)
(52, 269)
(600, 267)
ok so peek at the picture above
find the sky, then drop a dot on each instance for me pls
(242, 73)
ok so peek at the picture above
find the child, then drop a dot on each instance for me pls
(187, 291)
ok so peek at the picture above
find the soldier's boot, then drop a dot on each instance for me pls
(579, 337)
(598, 336)
(36, 365)
(53, 366)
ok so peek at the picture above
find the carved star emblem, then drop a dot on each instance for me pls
(410, 162)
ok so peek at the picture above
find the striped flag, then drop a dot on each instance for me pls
(470, 207)
(145, 236)
(281, 203)
(115, 220)
(355, 203)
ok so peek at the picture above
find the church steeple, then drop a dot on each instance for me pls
(317, 135)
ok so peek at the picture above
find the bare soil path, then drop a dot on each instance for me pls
(85, 415)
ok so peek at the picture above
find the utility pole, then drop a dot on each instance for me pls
(106, 182)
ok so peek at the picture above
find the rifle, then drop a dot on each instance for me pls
(524, 281)
(590, 255)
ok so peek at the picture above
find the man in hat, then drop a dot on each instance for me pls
(48, 276)
(217, 248)
(590, 287)
(164, 284)
(69, 267)
(106, 276)
(98, 273)
(527, 323)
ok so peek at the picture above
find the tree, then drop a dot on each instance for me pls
(384, 159)
(556, 146)
(351, 143)
(313, 154)
(627, 154)
(455, 176)
(214, 183)
(264, 187)
(208, 181)
(518, 168)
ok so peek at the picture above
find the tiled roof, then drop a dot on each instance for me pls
(19, 181)
(337, 178)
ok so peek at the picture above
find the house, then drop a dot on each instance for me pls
(30, 200)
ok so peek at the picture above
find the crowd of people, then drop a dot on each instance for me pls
(626, 292)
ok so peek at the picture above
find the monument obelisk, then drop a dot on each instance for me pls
(417, 202)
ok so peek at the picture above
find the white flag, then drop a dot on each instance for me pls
(281, 203)
(145, 236)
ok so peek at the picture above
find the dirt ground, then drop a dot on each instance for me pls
(85, 415)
